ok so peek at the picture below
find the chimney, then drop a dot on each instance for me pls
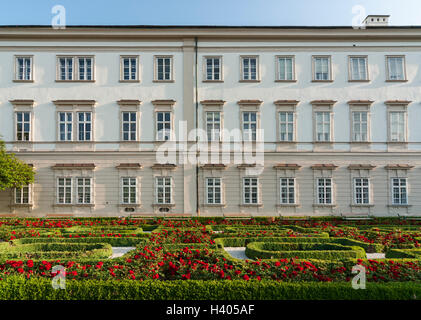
(376, 21)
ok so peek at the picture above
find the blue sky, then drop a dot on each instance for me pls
(207, 12)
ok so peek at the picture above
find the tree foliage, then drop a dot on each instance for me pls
(14, 173)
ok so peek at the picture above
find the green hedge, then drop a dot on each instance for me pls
(113, 241)
(404, 253)
(326, 251)
(18, 288)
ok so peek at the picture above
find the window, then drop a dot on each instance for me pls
(213, 125)
(66, 68)
(84, 125)
(129, 190)
(249, 126)
(324, 191)
(23, 69)
(399, 191)
(249, 68)
(287, 188)
(129, 126)
(65, 126)
(213, 191)
(358, 68)
(286, 126)
(397, 126)
(213, 68)
(64, 190)
(84, 190)
(250, 190)
(85, 69)
(321, 68)
(23, 126)
(163, 125)
(285, 69)
(75, 68)
(323, 126)
(22, 196)
(163, 190)
(163, 68)
(362, 191)
(129, 68)
(395, 68)
(359, 126)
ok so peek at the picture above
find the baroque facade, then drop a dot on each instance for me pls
(333, 111)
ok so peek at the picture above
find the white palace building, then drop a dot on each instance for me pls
(333, 114)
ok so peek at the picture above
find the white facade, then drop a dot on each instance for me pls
(381, 146)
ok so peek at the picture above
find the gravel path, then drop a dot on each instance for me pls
(119, 251)
(237, 252)
(376, 256)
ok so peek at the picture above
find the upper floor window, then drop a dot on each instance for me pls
(249, 125)
(360, 126)
(129, 126)
(213, 125)
(397, 126)
(321, 68)
(163, 125)
(75, 68)
(23, 126)
(396, 68)
(84, 123)
(286, 126)
(129, 68)
(358, 69)
(249, 68)
(213, 68)
(23, 70)
(323, 126)
(285, 68)
(163, 68)
(65, 125)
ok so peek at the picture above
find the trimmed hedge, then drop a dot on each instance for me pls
(113, 241)
(325, 251)
(18, 288)
(404, 253)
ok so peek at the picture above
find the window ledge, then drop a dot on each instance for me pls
(399, 205)
(130, 205)
(163, 81)
(396, 80)
(360, 142)
(22, 81)
(358, 80)
(369, 205)
(280, 205)
(251, 205)
(81, 205)
(22, 205)
(292, 81)
(287, 142)
(129, 81)
(321, 205)
(75, 80)
(321, 80)
(165, 205)
(323, 142)
(397, 142)
(249, 80)
(217, 81)
(215, 205)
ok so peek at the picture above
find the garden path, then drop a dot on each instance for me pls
(119, 251)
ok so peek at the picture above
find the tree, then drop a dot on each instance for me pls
(14, 173)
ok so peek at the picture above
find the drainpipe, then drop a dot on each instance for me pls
(196, 126)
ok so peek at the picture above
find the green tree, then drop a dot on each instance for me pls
(14, 173)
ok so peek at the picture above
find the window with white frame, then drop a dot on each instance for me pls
(250, 190)
(358, 68)
(399, 191)
(23, 125)
(249, 67)
(213, 68)
(129, 190)
(65, 125)
(361, 190)
(286, 126)
(323, 126)
(163, 125)
(213, 125)
(213, 191)
(249, 125)
(129, 68)
(64, 190)
(395, 68)
(285, 68)
(359, 126)
(23, 195)
(397, 126)
(23, 69)
(84, 190)
(66, 67)
(324, 191)
(84, 122)
(129, 124)
(85, 68)
(321, 68)
(163, 67)
(287, 191)
(163, 190)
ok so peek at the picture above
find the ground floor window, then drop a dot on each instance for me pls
(362, 191)
(287, 187)
(129, 190)
(84, 190)
(324, 190)
(213, 191)
(64, 190)
(251, 190)
(22, 195)
(163, 190)
(399, 191)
